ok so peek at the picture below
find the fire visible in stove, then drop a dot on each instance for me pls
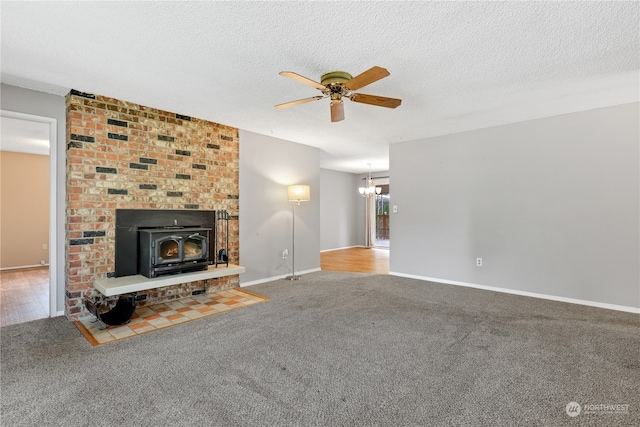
(169, 250)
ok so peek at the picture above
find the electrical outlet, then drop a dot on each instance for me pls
(285, 253)
(44, 246)
(395, 208)
(479, 262)
(42, 262)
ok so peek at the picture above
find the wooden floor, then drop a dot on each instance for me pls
(357, 260)
(24, 295)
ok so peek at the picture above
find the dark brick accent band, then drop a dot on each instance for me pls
(100, 169)
(117, 191)
(174, 193)
(72, 295)
(166, 138)
(94, 233)
(75, 144)
(183, 152)
(148, 161)
(233, 217)
(198, 166)
(181, 117)
(226, 138)
(182, 176)
(117, 136)
(214, 146)
(83, 94)
(148, 187)
(117, 123)
(83, 138)
(138, 166)
(78, 242)
(192, 206)
(233, 196)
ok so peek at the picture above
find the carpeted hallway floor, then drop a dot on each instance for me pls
(337, 349)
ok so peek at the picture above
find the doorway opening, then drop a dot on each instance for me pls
(382, 218)
(28, 260)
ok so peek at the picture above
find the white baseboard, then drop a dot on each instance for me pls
(635, 310)
(338, 249)
(58, 313)
(274, 278)
(24, 266)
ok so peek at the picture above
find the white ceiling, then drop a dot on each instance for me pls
(457, 66)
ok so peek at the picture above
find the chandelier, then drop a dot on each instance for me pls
(370, 188)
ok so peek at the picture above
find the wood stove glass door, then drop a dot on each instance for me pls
(168, 249)
(195, 247)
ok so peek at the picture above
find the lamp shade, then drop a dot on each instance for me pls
(298, 193)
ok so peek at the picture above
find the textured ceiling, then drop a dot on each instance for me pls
(457, 66)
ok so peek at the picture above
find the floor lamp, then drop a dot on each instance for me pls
(296, 194)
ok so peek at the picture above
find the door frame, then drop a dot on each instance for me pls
(53, 144)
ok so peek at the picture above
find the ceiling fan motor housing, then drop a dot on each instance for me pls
(335, 77)
(334, 81)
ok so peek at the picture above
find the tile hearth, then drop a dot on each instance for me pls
(159, 316)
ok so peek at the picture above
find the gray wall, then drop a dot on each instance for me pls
(338, 204)
(551, 205)
(27, 101)
(267, 166)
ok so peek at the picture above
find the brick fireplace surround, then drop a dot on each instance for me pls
(122, 155)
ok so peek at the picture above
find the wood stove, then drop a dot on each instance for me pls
(172, 250)
(170, 241)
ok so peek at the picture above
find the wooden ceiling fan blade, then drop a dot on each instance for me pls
(373, 74)
(337, 111)
(379, 101)
(302, 79)
(298, 102)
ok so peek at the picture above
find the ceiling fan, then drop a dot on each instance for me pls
(337, 85)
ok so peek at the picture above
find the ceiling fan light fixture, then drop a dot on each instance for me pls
(337, 85)
(337, 110)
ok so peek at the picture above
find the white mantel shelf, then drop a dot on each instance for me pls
(123, 285)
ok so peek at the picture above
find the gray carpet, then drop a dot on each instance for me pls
(336, 349)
